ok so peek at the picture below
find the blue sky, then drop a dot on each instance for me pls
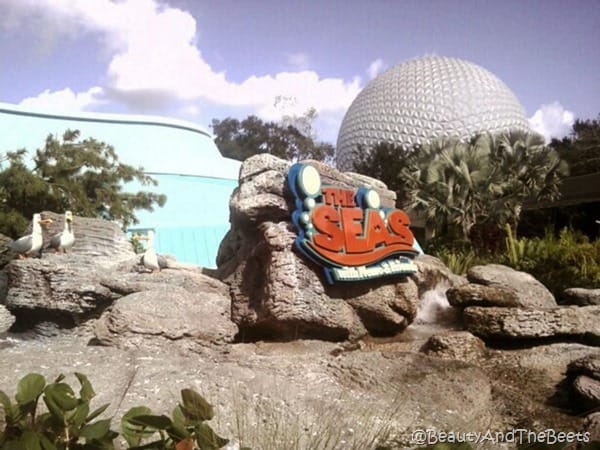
(198, 60)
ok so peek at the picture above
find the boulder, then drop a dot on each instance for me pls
(66, 289)
(277, 293)
(524, 323)
(460, 345)
(582, 383)
(529, 291)
(169, 305)
(169, 312)
(587, 392)
(588, 365)
(6, 319)
(479, 295)
(581, 296)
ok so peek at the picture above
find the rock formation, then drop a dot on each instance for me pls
(530, 293)
(276, 293)
(582, 297)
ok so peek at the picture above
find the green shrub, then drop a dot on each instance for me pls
(68, 423)
(569, 260)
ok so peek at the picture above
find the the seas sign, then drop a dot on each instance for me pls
(347, 231)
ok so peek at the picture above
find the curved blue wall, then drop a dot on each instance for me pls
(180, 155)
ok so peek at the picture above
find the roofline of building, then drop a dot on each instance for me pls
(114, 118)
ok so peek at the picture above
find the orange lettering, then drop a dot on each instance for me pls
(325, 219)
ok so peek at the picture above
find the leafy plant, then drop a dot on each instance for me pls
(186, 429)
(68, 424)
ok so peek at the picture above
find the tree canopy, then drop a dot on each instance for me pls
(581, 149)
(83, 176)
(241, 139)
(460, 185)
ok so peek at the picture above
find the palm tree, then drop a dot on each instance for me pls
(462, 184)
(445, 181)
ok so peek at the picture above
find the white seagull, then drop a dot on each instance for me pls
(32, 243)
(150, 259)
(61, 242)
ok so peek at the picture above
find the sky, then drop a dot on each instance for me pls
(199, 59)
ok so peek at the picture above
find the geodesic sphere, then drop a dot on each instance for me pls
(424, 99)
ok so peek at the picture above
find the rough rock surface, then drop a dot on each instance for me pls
(6, 319)
(96, 238)
(591, 425)
(583, 382)
(582, 297)
(192, 306)
(460, 345)
(66, 289)
(529, 291)
(523, 323)
(588, 391)
(480, 295)
(588, 365)
(278, 294)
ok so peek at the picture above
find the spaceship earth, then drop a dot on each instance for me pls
(424, 99)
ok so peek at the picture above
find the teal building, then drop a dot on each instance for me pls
(180, 155)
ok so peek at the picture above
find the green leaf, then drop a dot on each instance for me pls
(46, 444)
(134, 433)
(30, 387)
(207, 439)
(195, 407)
(62, 395)
(96, 431)
(151, 421)
(54, 409)
(8, 407)
(96, 413)
(86, 392)
(30, 441)
(79, 415)
(178, 417)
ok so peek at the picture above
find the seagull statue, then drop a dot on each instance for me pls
(63, 241)
(150, 259)
(32, 243)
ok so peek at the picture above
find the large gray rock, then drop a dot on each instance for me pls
(523, 323)
(479, 295)
(6, 319)
(172, 311)
(67, 289)
(529, 291)
(582, 297)
(278, 294)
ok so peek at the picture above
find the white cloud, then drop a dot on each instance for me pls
(155, 60)
(375, 68)
(65, 100)
(552, 121)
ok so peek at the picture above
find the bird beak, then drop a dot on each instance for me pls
(45, 221)
(142, 238)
